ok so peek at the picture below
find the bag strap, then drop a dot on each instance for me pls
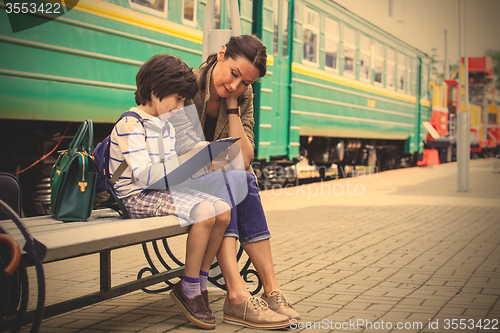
(84, 137)
(78, 138)
(122, 210)
(123, 165)
(90, 137)
(119, 171)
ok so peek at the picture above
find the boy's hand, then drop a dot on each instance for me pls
(199, 146)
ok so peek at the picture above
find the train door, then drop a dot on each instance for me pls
(280, 78)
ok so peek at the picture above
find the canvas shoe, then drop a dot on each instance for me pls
(254, 313)
(194, 309)
(279, 303)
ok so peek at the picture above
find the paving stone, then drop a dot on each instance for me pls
(411, 249)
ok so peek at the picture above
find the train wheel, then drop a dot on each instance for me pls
(322, 170)
(341, 171)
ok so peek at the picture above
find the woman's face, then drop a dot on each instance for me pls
(233, 76)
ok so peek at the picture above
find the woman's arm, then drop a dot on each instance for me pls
(242, 127)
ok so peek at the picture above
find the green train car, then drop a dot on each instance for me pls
(338, 89)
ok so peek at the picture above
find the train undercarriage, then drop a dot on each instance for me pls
(334, 157)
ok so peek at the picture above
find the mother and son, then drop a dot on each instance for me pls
(222, 93)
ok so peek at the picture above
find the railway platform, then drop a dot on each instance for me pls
(400, 250)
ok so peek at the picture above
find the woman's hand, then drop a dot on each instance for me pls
(232, 101)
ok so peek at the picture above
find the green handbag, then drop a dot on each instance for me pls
(73, 178)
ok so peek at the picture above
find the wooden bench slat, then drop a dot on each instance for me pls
(105, 230)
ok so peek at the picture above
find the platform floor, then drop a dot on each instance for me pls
(374, 252)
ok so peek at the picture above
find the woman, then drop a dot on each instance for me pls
(225, 108)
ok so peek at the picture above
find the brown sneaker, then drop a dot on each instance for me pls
(204, 294)
(254, 313)
(279, 303)
(194, 309)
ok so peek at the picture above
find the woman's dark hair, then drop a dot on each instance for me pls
(164, 75)
(247, 46)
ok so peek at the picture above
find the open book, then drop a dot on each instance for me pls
(194, 164)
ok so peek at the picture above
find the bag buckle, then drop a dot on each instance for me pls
(82, 185)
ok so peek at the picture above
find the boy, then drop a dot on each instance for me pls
(163, 84)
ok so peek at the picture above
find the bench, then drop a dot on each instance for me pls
(44, 240)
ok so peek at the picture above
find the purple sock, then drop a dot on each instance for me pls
(203, 280)
(191, 286)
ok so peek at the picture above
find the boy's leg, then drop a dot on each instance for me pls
(203, 215)
(222, 218)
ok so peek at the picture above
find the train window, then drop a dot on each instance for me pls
(216, 23)
(276, 5)
(311, 33)
(408, 75)
(378, 59)
(492, 118)
(285, 22)
(349, 51)
(423, 83)
(332, 44)
(365, 58)
(189, 12)
(155, 7)
(413, 82)
(401, 72)
(390, 66)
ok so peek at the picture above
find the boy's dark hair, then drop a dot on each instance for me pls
(164, 75)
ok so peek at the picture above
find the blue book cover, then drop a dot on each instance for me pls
(194, 164)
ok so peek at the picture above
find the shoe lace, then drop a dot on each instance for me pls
(281, 298)
(256, 303)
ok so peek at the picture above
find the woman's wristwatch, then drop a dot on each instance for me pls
(234, 111)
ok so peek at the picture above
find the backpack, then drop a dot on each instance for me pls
(104, 184)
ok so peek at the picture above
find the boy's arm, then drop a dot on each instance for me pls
(131, 140)
(182, 122)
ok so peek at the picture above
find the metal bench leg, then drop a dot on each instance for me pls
(105, 270)
(152, 269)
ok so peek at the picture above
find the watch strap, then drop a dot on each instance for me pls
(233, 111)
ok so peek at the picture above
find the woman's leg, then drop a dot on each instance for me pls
(237, 291)
(261, 256)
(240, 307)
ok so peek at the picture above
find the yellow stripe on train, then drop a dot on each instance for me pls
(339, 79)
(129, 16)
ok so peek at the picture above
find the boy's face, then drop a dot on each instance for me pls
(168, 104)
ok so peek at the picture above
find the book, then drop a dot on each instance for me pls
(194, 164)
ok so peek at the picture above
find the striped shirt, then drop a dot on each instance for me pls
(148, 149)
